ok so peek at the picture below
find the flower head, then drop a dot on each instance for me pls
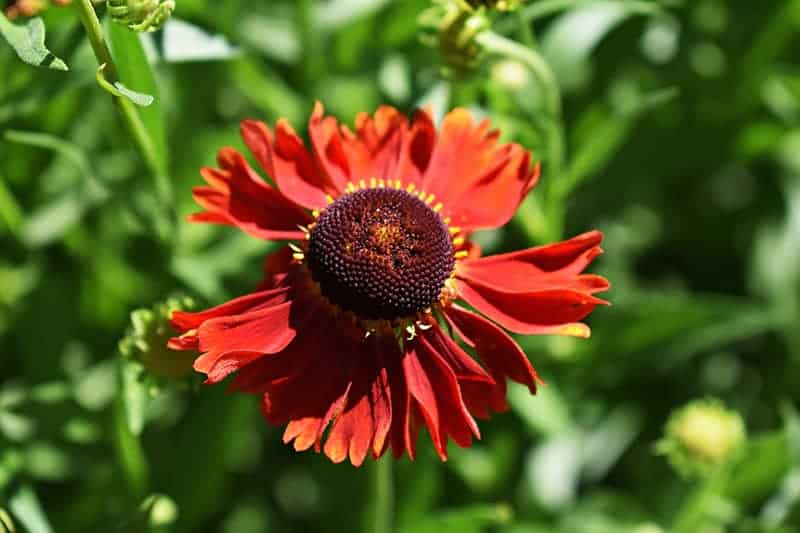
(355, 328)
(702, 436)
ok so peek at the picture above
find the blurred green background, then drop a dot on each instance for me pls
(681, 130)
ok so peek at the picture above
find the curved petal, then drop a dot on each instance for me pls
(326, 138)
(230, 342)
(238, 197)
(480, 182)
(365, 420)
(543, 312)
(415, 150)
(434, 389)
(479, 389)
(499, 352)
(183, 321)
(554, 266)
(286, 160)
(373, 151)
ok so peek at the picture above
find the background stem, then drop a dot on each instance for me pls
(382, 515)
(130, 116)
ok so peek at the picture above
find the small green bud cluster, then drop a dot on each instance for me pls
(141, 15)
(147, 336)
(499, 5)
(452, 26)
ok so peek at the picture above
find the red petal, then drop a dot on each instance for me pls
(184, 321)
(555, 266)
(537, 312)
(480, 183)
(463, 366)
(501, 354)
(328, 147)
(536, 291)
(434, 388)
(240, 198)
(416, 150)
(366, 416)
(481, 392)
(231, 342)
(374, 151)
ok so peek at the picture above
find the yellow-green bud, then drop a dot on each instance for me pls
(452, 26)
(141, 15)
(147, 336)
(702, 436)
(500, 5)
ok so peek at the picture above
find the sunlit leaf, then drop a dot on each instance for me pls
(27, 510)
(28, 42)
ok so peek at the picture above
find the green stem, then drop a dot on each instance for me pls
(553, 124)
(130, 116)
(381, 517)
(308, 39)
(10, 212)
(694, 512)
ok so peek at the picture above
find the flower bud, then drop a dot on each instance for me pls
(499, 5)
(147, 337)
(452, 26)
(141, 15)
(702, 436)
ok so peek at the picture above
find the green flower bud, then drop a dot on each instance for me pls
(141, 15)
(452, 26)
(702, 436)
(147, 336)
(499, 5)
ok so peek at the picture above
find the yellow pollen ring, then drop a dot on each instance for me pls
(362, 184)
(350, 187)
(329, 198)
(373, 183)
(461, 254)
(458, 241)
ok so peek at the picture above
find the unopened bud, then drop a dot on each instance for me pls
(141, 15)
(453, 27)
(147, 336)
(499, 5)
(702, 436)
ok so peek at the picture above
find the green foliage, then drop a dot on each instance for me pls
(28, 42)
(672, 126)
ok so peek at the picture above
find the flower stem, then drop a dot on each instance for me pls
(694, 511)
(553, 126)
(130, 116)
(381, 518)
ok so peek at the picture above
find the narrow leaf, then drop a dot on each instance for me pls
(119, 89)
(28, 41)
(135, 71)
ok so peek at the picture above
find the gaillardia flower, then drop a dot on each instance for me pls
(353, 332)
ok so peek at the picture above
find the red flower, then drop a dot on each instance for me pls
(352, 330)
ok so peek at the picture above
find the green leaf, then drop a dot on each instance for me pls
(25, 506)
(135, 71)
(118, 89)
(28, 41)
